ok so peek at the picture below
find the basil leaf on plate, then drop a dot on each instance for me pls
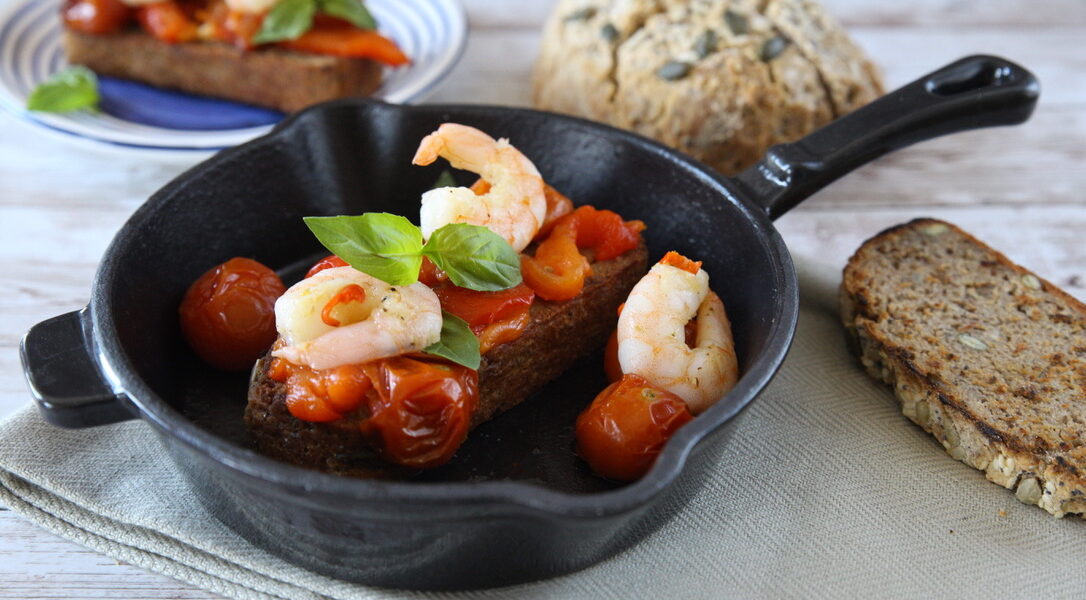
(388, 247)
(287, 20)
(457, 342)
(474, 257)
(446, 179)
(73, 88)
(352, 11)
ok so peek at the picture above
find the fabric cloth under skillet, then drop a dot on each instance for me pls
(826, 490)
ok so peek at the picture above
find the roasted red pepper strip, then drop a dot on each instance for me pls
(349, 293)
(558, 270)
(495, 317)
(679, 261)
(343, 39)
(167, 22)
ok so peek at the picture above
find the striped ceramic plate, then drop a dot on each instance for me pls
(431, 32)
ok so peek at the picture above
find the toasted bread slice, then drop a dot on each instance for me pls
(986, 356)
(560, 333)
(271, 77)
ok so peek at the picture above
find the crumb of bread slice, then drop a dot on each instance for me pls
(986, 356)
(270, 77)
(559, 334)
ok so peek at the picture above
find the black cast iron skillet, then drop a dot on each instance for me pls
(515, 504)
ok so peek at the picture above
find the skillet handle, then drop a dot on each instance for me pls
(974, 92)
(65, 379)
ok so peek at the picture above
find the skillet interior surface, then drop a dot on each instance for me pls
(355, 157)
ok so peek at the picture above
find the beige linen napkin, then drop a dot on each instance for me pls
(826, 490)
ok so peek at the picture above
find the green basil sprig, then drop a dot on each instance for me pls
(352, 11)
(446, 179)
(390, 248)
(457, 342)
(289, 19)
(73, 88)
(474, 257)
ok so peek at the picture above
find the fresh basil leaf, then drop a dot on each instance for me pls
(457, 342)
(474, 257)
(287, 20)
(352, 11)
(70, 89)
(386, 246)
(446, 179)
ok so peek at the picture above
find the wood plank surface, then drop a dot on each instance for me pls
(1020, 189)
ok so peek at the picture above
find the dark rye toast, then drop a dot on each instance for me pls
(560, 333)
(983, 354)
(271, 77)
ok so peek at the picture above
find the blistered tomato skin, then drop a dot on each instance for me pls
(620, 434)
(167, 22)
(95, 17)
(420, 411)
(328, 262)
(228, 314)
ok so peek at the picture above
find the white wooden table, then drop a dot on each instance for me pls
(1021, 189)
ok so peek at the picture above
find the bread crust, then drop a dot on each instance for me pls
(1020, 421)
(560, 333)
(270, 77)
(600, 59)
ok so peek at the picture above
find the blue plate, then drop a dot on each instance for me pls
(141, 103)
(432, 32)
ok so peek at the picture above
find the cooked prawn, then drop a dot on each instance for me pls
(514, 208)
(652, 339)
(323, 327)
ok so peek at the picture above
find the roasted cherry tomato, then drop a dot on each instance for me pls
(228, 314)
(339, 38)
(321, 396)
(620, 434)
(96, 16)
(328, 262)
(167, 22)
(420, 411)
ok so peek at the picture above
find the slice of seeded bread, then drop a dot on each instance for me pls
(981, 353)
(272, 77)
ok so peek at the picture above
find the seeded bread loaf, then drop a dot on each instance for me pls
(559, 334)
(719, 80)
(981, 353)
(271, 77)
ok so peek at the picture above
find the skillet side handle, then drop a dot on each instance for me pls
(974, 92)
(65, 379)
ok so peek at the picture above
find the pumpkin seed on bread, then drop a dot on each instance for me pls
(983, 354)
(721, 80)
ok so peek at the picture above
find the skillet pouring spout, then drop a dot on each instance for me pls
(971, 93)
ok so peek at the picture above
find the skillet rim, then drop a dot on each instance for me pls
(308, 486)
